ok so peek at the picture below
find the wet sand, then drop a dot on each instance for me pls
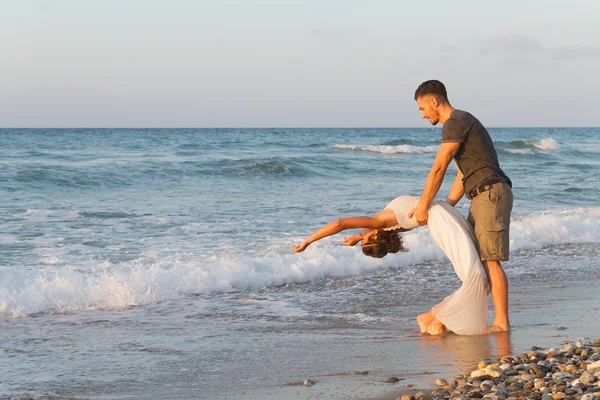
(541, 316)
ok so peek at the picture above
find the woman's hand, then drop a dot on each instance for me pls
(300, 248)
(352, 240)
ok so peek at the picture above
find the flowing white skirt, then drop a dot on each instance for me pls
(465, 311)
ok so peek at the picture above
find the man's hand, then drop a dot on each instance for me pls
(420, 214)
(300, 248)
(352, 240)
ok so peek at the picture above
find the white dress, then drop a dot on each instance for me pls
(465, 311)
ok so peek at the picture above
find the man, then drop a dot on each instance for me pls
(479, 176)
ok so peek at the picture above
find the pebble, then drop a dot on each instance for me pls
(308, 382)
(486, 372)
(568, 372)
(593, 366)
(538, 383)
(586, 378)
(422, 396)
(393, 379)
(506, 367)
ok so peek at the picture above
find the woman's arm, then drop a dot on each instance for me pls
(375, 222)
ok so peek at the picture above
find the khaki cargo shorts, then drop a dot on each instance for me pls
(489, 216)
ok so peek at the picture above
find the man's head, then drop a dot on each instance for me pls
(430, 96)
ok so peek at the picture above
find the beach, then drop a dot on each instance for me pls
(192, 353)
(156, 263)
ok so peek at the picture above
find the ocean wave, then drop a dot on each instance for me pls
(591, 149)
(261, 167)
(519, 151)
(385, 149)
(66, 289)
(548, 144)
(65, 177)
(108, 286)
(534, 231)
(107, 215)
(275, 167)
(529, 147)
(398, 142)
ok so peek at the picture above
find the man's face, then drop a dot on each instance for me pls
(428, 106)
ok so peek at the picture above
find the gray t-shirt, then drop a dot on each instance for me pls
(476, 158)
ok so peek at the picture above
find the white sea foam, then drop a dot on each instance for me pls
(519, 151)
(118, 286)
(555, 227)
(50, 259)
(401, 149)
(26, 291)
(548, 144)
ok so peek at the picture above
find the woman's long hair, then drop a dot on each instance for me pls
(382, 243)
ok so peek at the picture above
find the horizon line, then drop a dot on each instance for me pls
(293, 127)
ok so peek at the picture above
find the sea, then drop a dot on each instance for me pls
(157, 263)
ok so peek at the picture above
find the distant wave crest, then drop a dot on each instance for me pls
(528, 147)
(262, 167)
(383, 149)
(519, 151)
(544, 144)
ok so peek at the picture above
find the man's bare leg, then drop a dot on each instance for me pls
(499, 289)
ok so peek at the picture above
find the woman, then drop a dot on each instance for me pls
(463, 312)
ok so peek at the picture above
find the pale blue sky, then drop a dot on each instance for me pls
(258, 63)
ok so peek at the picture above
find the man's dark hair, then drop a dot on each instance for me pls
(432, 87)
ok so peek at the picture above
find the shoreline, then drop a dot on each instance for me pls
(183, 349)
(419, 360)
(568, 371)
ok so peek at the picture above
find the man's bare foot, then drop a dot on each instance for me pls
(424, 320)
(497, 328)
(436, 327)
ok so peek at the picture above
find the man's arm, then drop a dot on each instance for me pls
(457, 190)
(434, 180)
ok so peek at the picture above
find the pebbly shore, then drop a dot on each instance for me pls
(569, 372)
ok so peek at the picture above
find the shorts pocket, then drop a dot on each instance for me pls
(494, 224)
(494, 194)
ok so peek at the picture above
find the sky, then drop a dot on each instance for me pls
(288, 63)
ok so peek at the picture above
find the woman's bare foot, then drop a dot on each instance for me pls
(436, 327)
(424, 320)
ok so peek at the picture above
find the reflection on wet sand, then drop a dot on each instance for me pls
(460, 353)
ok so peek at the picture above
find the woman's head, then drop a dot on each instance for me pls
(379, 243)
